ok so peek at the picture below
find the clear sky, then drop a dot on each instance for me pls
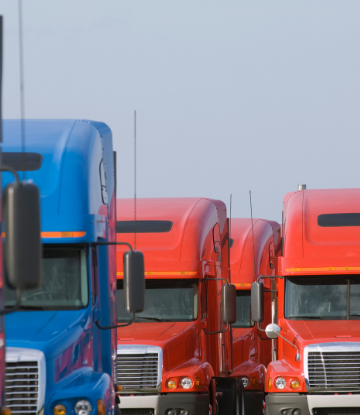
(230, 95)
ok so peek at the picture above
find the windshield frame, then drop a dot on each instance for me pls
(319, 317)
(156, 319)
(84, 263)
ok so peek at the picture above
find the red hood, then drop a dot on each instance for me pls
(322, 331)
(179, 341)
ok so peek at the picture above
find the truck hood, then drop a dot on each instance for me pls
(178, 340)
(320, 331)
(52, 332)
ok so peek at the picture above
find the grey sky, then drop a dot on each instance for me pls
(230, 95)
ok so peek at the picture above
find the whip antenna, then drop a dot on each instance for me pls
(230, 237)
(135, 180)
(252, 231)
(22, 101)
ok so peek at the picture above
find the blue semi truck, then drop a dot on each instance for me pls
(61, 351)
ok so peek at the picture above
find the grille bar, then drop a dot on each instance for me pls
(21, 387)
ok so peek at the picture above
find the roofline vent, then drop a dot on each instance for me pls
(302, 186)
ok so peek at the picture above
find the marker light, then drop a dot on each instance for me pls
(83, 407)
(59, 410)
(186, 383)
(197, 383)
(280, 383)
(5, 411)
(295, 384)
(322, 269)
(101, 407)
(254, 381)
(245, 381)
(171, 384)
(269, 383)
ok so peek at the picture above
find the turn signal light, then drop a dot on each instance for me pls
(101, 407)
(59, 410)
(269, 385)
(171, 384)
(254, 382)
(118, 388)
(295, 384)
(5, 411)
(197, 383)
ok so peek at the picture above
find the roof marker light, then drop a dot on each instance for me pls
(165, 273)
(58, 234)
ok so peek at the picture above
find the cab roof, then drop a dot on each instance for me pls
(321, 231)
(182, 245)
(266, 240)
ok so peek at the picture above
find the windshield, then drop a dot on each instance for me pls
(243, 316)
(323, 298)
(65, 282)
(164, 301)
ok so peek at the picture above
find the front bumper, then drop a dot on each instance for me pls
(286, 403)
(194, 403)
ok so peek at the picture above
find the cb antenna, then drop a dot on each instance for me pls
(252, 231)
(22, 100)
(135, 180)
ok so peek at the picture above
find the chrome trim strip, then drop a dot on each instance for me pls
(337, 347)
(19, 354)
(143, 349)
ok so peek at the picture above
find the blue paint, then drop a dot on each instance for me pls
(77, 353)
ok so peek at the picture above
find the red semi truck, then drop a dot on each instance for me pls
(318, 366)
(176, 357)
(251, 353)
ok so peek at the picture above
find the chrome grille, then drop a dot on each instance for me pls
(136, 371)
(333, 367)
(21, 387)
(139, 368)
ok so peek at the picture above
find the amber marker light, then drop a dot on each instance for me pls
(171, 384)
(101, 407)
(5, 411)
(197, 383)
(118, 388)
(295, 384)
(59, 410)
(269, 385)
(254, 381)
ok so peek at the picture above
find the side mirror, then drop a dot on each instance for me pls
(272, 331)
(257, 302)
(134, 281)
(228, 295)
(22, 247)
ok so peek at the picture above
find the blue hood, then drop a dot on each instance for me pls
(49, 331)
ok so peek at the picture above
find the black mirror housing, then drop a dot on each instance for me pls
(22, 247)
(134, 281)
(257, 302)
(228, 294)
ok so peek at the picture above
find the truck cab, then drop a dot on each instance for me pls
(252, 350)
(172, 359)
(58, 360)
(318, 306)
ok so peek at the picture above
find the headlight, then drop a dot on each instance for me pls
(245, 381)
(186, 383)
(280, 383)
(83, 407)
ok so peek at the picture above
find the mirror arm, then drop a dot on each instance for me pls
(116, 325)
(16, 306)
(220, 331)
(95, 244)
(215, 279)
(292, 344)
(10, 170)
(269, 276)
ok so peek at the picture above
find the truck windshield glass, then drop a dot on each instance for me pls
(164, 301)
(65, 281)
(243, 316)
(323, 298)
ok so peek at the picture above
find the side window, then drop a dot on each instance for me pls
(216, 238)
(104, 193)
(203, 287)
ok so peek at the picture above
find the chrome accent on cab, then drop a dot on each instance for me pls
(332, 367)
(25, 382)
(139, 368)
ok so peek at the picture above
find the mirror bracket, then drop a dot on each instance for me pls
(220, 331)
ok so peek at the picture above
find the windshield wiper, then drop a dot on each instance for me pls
(152, 318)
(355, 315)
(33, 307)
(309, 317)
